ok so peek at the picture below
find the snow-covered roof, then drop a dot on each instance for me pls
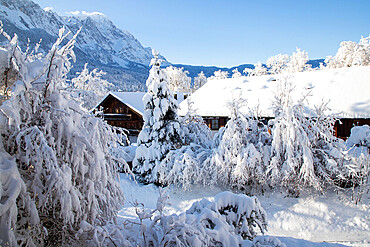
(132, 99)
(346, 89)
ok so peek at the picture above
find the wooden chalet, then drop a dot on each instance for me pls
(123, 109)
(346, 91)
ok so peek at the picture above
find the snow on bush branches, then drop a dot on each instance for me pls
(229, 220)
(56, 170)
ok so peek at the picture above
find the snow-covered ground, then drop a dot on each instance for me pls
(310, 220)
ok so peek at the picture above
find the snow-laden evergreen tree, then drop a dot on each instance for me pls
(277, 64)
(56, 170)
(89, 88)
(161, 130)
(199, 81)
(351, 53)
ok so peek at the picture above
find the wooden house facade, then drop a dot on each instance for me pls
(123, 109)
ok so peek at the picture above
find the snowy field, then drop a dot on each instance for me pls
(331, 220)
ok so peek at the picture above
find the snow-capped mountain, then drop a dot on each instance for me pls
(100, 42)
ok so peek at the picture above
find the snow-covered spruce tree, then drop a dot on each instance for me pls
(56, 171)
(88, 87)
(161, 130)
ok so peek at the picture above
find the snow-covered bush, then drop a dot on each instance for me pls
(358, 171)
(56, 170)
(89, 88)
(161, 130)
(195, 129)
(241, 155)
(304, 152)
(186, 166)
(229, 220)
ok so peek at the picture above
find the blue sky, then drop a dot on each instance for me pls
(233, 32)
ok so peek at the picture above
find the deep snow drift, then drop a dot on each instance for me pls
(310, 220)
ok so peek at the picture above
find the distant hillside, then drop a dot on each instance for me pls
(209, 70)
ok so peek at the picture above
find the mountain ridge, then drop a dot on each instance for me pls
(100, 43)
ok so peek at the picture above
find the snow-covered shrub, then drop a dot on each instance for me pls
(88, 87)
(358, 172)
(267, 241)
(186, 166)
(195, 129)
(56, 168)
(305, 153)
(161, 130)
(227, 221)
(241, 155)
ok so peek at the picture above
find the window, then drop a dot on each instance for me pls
(214, 124)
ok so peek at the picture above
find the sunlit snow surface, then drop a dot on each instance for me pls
(310, 220)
